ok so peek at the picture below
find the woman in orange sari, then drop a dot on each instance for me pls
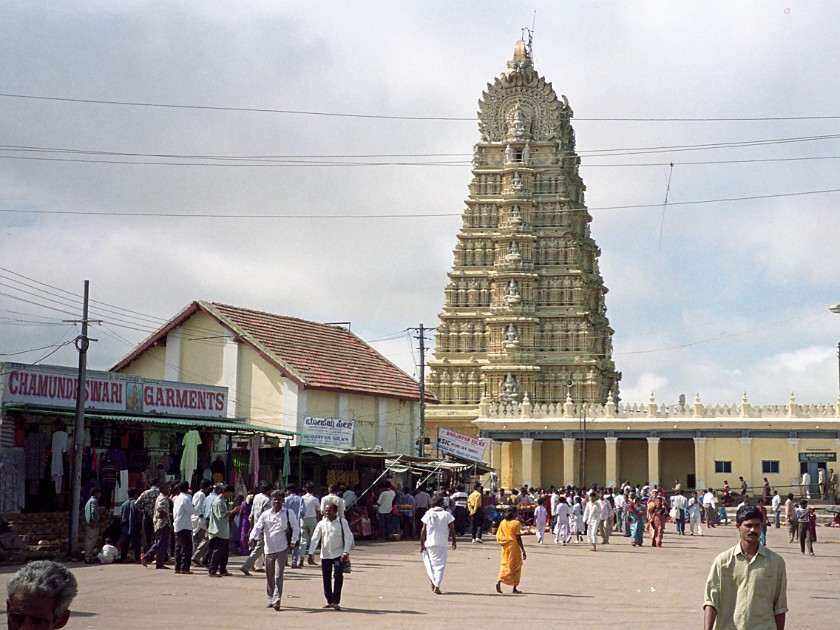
(509, 536)
(658, 515)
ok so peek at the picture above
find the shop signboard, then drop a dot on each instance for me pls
(818, 456)
(327, 432)
(55, 387)
(463, 446)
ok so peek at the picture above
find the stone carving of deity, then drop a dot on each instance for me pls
(508, 154)
(512, 293)
(526, 153)
(516, 181)
(515, 215)
(511, 337)
(513, 251)
(518, 124)
(508, 389)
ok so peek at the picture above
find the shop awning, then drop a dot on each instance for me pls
(200, 424)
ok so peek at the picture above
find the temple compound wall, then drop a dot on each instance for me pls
(701, 446)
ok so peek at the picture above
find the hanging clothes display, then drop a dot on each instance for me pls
(59, 448)
(189, 458)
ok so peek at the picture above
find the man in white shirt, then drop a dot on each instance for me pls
(561, 512)
(710, 507)
(437, 529)
(384, 505)
(592, 517)
(333, 498)
(694, 510)
(349, 497)
(262, 503)
(805, 485)
(272, 528)
(605, 519)
(310, 514)
(199, 523)
(776, 506)
(182, 513)
(620, 502)
(459, 510)
(680, 504)
(335, 537)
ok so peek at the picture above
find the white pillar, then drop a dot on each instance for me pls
(653, 461)
(700, 464)
(230, 376)
(172, 365)
(382, 426)
(569, 461)
(294, 407)
(612, 461)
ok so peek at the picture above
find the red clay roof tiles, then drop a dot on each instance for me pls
(319, 356)
(326, 357)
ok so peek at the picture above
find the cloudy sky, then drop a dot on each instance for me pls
(361, 212)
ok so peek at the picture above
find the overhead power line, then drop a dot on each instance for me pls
(101, 156)
(302, 112)
(204, 215)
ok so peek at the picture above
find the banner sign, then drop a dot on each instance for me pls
(56, 387)
(463, 446)
(327, 432)
(818, 456)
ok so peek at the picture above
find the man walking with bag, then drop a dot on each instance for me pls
(280, 531)
(335, 537)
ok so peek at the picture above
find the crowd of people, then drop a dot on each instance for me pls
(277, 528)
(281, 528)
(746, 586)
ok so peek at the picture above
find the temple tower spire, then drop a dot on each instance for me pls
(524, 309)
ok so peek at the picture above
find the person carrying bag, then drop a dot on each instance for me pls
(334, 535)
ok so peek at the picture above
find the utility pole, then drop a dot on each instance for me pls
(421, 441)
(82, 343)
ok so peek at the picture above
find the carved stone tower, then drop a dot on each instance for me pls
(524, 313)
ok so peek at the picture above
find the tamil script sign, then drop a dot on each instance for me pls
(461, 445)
(327, 432)
(56, 387)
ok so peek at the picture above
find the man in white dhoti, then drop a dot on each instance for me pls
(561, 513)
(437, 529)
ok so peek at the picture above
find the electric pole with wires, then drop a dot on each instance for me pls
(82, 344)
(421, 439)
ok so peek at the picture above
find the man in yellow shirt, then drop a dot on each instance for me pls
(747, 585)
(475, 507)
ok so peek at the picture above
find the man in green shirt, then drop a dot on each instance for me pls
(747, 585)
(219, 531)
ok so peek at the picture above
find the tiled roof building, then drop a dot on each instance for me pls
(280, 369)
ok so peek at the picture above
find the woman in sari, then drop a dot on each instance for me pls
(636, 518)
(245, 524)
(658, 513)
(509, 536)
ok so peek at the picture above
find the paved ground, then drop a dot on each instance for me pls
(618, 586)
